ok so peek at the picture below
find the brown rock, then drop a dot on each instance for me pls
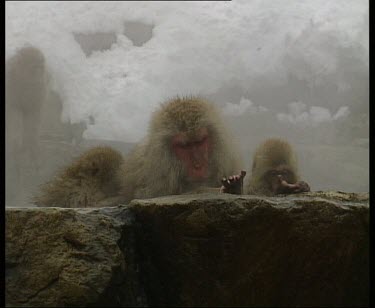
(69, 257)
(302, 250)
(193, 250)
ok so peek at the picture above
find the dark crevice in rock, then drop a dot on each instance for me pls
(84, 256)
(49, 285)
(252, 252)
(72, 240)
(124, 289)
(149, 273)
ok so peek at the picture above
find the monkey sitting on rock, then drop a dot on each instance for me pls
(274, 170)
(187, 150)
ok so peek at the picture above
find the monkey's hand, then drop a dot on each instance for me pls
(299, 187)
(233, 184)
(302, 187)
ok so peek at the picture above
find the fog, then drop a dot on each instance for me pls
(286, 68)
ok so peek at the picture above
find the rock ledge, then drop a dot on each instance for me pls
(193, 250)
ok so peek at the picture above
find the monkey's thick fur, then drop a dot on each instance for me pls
(26, 80)
(151, 169)
(271, 154)
(26, 90)
(86, 183)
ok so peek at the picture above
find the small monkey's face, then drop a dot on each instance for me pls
(193, 150)
(277, 177)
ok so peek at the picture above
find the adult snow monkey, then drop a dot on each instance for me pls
(187, 150)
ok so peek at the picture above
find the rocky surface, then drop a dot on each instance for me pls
(193, 250)
(70, 257)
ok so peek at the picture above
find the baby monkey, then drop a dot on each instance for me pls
(274, 170)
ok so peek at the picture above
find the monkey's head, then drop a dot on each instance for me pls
(100, 163)
(28, 60)
(274, 166)
(187, 147)
(26, 70)
(275, 178)
(188, 128)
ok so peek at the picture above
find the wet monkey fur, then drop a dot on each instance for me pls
(275, 170)
(89, 181)
(187, 149)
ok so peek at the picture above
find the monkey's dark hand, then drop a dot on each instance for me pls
(302, 187)
(233, 184)
(299, 187)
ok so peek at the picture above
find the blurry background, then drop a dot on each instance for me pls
(282, 68)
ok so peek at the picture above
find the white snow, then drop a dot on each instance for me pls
(298, 114)
(196, 48)
(245, 106)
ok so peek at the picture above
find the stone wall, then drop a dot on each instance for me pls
(192, 250)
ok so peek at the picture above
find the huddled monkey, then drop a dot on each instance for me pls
(275, 170)
(26, 90)
(90, 181)
(187, 149)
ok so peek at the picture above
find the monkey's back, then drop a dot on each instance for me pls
(87, 181)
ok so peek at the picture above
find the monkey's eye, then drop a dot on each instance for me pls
(182, 145)
(202, 141)
(285, 173)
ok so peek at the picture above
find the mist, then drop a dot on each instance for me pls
(289, 69)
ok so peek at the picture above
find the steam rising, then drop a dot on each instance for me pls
(293, 69)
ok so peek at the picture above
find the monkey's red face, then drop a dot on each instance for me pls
(278, 174)
(282, 180)
(193, 152)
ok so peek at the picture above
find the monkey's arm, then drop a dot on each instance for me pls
(231, 185)
(298, 187)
